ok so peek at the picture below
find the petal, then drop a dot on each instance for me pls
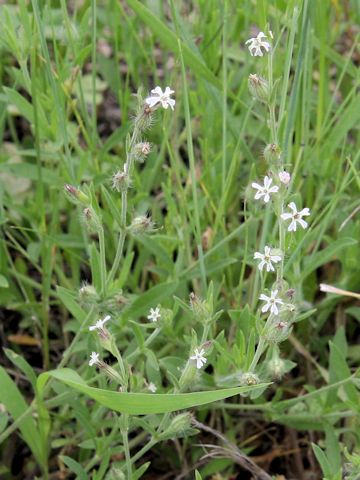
(157, 91)
(267, 181)
(270, 267)
(267, 250)
(93, 327)
(275, 258)
(274, 189)
(274, 309)
(151, 101)
(261, 265)
(305, 212)
(266, 197)
(292, 206)
(171, 102)
(292, 226)
(303, 223)
(265, 308)
(259, 194)
(257, 186)
(168, 91)
(264, 297)
(286, 216)
(258, 255)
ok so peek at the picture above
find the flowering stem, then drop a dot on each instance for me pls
(102, 260)
(124, 433)
(122, 235)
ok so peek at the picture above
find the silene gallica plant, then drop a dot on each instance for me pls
(135, 387)
(153, 351)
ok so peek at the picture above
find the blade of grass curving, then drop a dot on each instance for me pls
(141, 403)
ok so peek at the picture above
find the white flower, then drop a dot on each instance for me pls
(163, 97)
(284, 177)
(264, 190)
(266, 259)
(271, 302)
(199, 357)
(296, 217)
(99, 325)
(94, 359)
(152, 387)
(154, 314)
(255, 44)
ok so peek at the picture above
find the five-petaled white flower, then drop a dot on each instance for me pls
(152, 387)
(256, 44)
(271, 302)
(94, 359)
(296, 217)
(199, 357)
(99, 325)
(154, 314)
(266, 259)
(158, 96)
(264, 190)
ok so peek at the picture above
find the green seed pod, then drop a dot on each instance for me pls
(258, 88)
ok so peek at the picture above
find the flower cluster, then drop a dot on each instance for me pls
(273, 191)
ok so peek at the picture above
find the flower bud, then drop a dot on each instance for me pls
(110, 372)
(88, 295)
(201, 308)
(249, 378)
(278, 331)
(141, 151)
(91, 219)
(272, 154)
(75, 195)
(276, 367)
(121, 181)
(180, 426)
(284, 177)
(258, 87)
(188, 375)
(142, 224)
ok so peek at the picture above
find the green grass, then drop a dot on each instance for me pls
(67, 107)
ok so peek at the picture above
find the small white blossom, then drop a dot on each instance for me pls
(295, 217)
(152, 387)
(158, 96)
(267, 258)
(271, 302)
(99, 325)
(284, 177)
(199, 357)
(256, 44)
(94, 359)
(264, 190)
(154, 314)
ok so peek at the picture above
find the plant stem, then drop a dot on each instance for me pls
(124, 433)
(102, 260)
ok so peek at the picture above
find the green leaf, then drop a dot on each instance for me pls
(141, 403)
(72, 305)
(324, 256)
(75, 467)
(22, 365)
(3, 282)
(14, 402)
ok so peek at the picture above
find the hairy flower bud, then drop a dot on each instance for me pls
(201, 308)
(91, 219)
(272, 154)
(278, 331)
(88, 295)
(249, 378)
(142, 224)
(180, 426)
(121, 181)
(258, 87)
(141, 151)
